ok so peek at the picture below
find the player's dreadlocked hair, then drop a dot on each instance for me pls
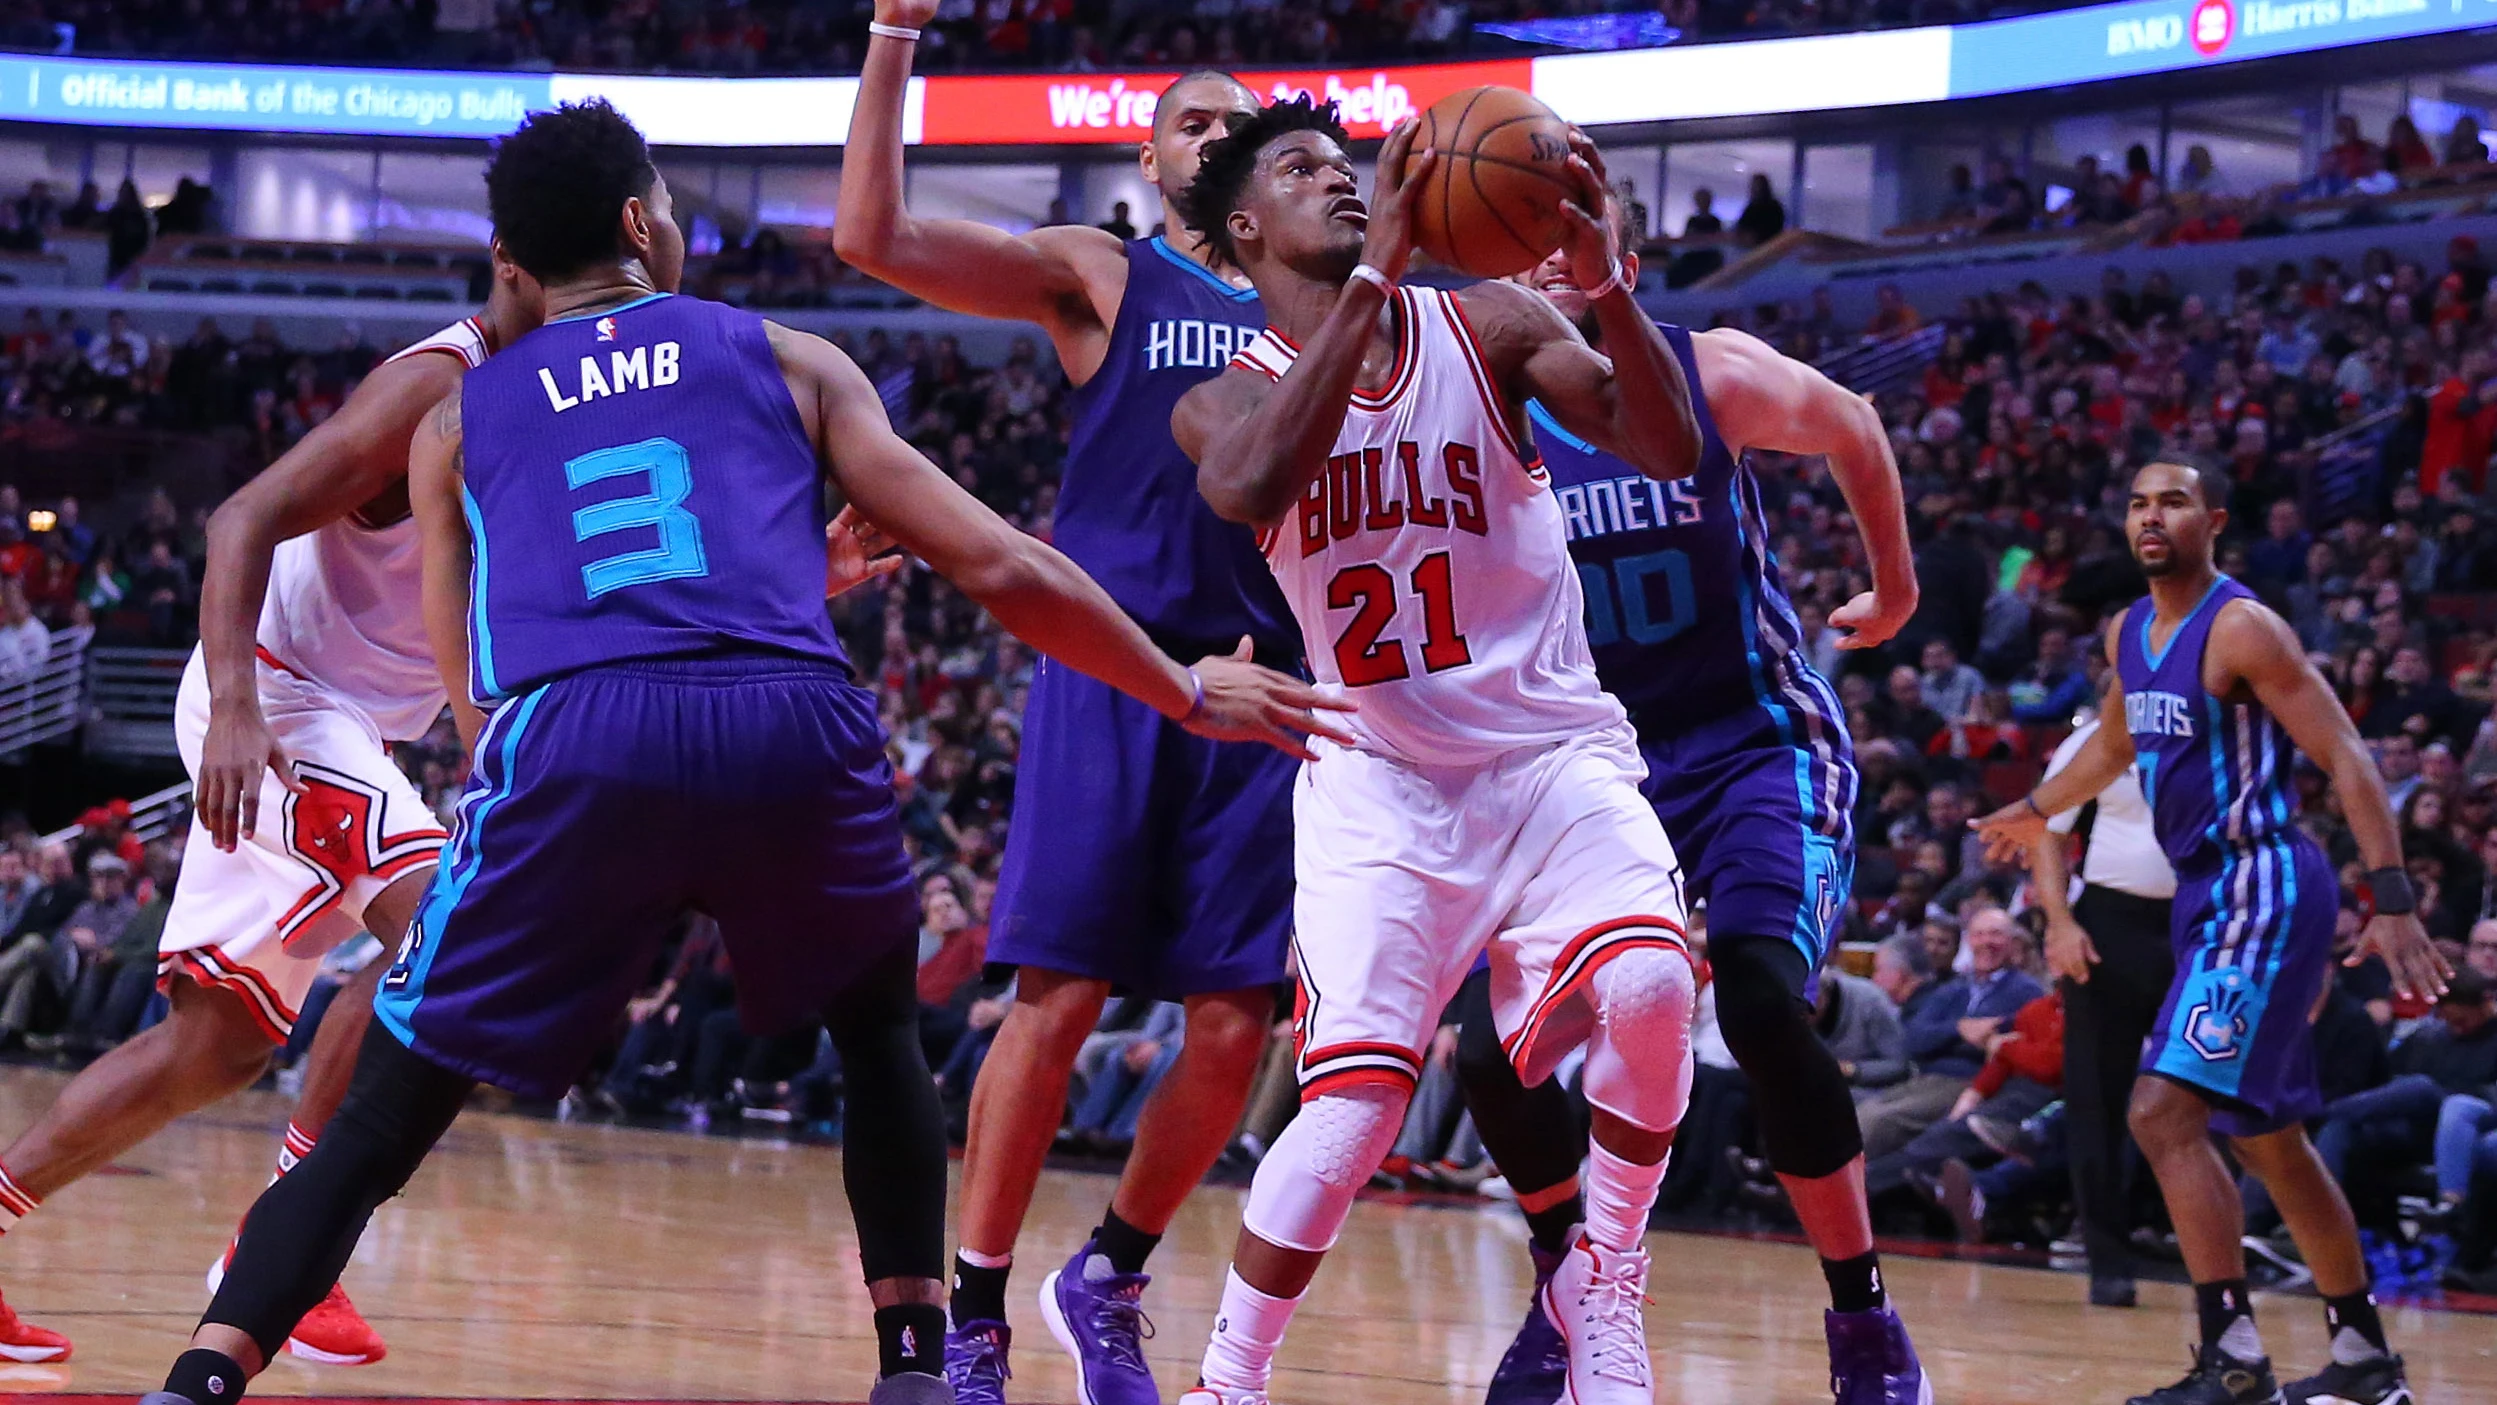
(555, 186)
(1222, 172)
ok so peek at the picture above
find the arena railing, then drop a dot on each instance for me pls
(131, 696)
(1876, 367)
(152, 817)
(47, 704)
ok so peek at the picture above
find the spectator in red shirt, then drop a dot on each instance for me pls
(2409, 150)
(2023, 1072)
(2351, 156)
(2462, 423)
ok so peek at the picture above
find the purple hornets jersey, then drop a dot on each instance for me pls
(1128, 510)
(2256, 899)
(601, 539)
(2216, 771)
(1686, 612)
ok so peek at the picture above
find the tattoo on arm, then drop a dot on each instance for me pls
(447, 425)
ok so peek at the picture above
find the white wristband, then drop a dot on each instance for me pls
(1374, 278)
(893, 31)
(1611, 282)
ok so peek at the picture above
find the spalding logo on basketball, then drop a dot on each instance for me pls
(1492, 206)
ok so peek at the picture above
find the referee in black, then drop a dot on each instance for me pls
(2110, 948)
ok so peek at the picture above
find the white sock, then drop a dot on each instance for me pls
(2242, 1341)
(292, 1151)
(1619, 1196)
(1247, 1331)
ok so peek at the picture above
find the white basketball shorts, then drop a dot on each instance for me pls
(1548, 858)
(257, 921)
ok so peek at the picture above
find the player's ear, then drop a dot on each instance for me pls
(1149, 162)
(1242, 225)
(635, 226)
(1630, 265)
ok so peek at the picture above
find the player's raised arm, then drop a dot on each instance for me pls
(2013, 832)
(2256, 648)
(434, 485)
(1035, 592)
(1067, 278)
(1762, 400)
(1258, 446)
(1631, 399)
(345, 462)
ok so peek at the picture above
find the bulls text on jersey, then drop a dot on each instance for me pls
(1362, 491)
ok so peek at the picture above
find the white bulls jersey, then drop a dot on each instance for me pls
(344, 609)
(1428, 566)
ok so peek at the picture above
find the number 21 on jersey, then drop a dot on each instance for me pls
(1362, 657)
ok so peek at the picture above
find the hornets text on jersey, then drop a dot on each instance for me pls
(1686, 611)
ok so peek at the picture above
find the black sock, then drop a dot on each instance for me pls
(208, 1377)
(1124, 1245)
(1550, 1227)
(910, 1337)
(2220, 1305)
(2358, 1313)
(979, 1293)
(1855, 1284)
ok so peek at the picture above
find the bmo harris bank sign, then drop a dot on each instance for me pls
(2164, 36)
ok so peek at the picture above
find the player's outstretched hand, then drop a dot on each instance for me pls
(239, 746)
(906, 14)
(855, 553)
(1870, 620)
(2009, 831)
(1594, 256)
(2419, 969)
(1247, 703)
(1396, 192)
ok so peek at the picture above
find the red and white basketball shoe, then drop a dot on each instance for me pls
(333, 1333)
(23, 1341)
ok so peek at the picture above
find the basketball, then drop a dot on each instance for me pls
(1491, 206)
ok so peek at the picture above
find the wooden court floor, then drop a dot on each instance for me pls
(536, 1260)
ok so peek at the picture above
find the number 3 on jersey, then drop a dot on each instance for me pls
(679, 552)
(1361, 656)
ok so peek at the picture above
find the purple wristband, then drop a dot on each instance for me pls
(1196, 706)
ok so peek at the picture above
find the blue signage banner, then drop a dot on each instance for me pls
(2165, 36)
(236, 97)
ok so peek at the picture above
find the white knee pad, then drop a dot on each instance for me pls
(1639, 1062)
(1305, 1186)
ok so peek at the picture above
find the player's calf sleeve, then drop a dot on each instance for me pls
(893, 1125)
(1534, 1135)
(1639, 1062)
(297, 1239)
(1805, 1109)
(1305, 1186)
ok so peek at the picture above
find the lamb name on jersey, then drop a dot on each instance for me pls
(1427, 565)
